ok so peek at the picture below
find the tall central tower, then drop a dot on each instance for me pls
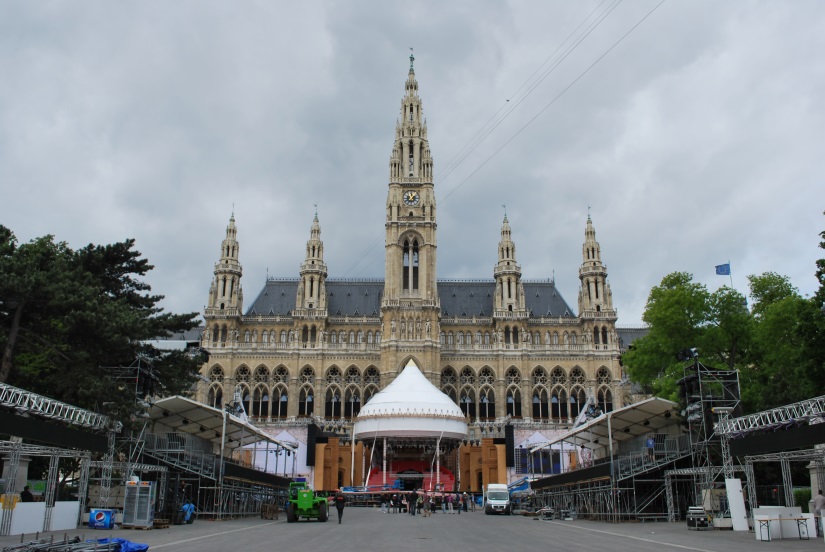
(410, 306)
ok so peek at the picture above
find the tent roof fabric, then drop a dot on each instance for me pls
(187, 416)
(625, 423)
(411, 406)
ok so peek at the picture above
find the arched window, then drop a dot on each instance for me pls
(261, 374)
(281, 375)
(557, 376)
(369, 392)
(215, 397)
(305, 402)
(540, 406)
(486, 376)
(605, 399)
(513, 376)
(307, 375)
(448, 377)
(573, 338)
(283, 336)
(372, 376)
(333, 338)
(577, 400)
(280, 402)
(353, 376)
(260, 402)
(558, 401)
(334, 376)
(577, 376)
(245, 399)
(514, 402)
(468, 377)
(410, 265)
(595, 336)
(242, 374)
(487, 403)
(468, 402)
(486, 338)
(246, 336)
(332, 404)
(216, 374)
(539, 376)
(604, 335)
(352, 405)
(604, 396)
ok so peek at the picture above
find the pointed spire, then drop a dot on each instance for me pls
(225, 292)
(594, 293)
(412, 60)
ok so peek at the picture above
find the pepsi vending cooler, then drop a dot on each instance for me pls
(101, 519)
(139, 504)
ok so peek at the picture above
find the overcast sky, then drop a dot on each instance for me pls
(697, 139)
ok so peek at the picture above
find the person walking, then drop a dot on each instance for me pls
(27, 496)
(340, 503)
(819, 510)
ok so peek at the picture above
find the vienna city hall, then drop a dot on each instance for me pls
(309, 352)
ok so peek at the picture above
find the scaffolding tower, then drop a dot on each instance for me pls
(709, 395)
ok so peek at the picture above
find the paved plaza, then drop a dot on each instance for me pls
(366, 529)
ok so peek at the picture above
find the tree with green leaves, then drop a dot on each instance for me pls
(778, 345)
(682, 314)
(68, 316)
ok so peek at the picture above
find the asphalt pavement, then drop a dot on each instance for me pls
(367, 529)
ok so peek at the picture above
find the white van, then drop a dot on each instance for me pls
(497, 499)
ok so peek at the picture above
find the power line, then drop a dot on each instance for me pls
(578, 41)
(559, 95)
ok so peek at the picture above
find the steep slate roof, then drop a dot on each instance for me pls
(465, 299)
(627, 335)
(459, 298)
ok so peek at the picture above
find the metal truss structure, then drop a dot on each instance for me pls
(802, 412)
(814, 456)
(31, 403)
(708, 393)
(12, 452)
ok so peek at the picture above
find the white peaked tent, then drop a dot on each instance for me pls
(410, 406)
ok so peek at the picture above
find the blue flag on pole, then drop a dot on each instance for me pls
(723, 269)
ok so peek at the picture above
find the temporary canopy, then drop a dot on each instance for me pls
(187, 416)
(411, 406)
(629, 422)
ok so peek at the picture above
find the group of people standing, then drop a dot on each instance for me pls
(426, 503)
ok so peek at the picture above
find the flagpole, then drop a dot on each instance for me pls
(730, 273)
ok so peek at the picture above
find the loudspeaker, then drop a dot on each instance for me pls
(312, 436)
(509, 447)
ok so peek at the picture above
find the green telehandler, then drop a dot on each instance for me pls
(303, 503)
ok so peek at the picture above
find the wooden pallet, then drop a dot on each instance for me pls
(136, 527)
(161, 524)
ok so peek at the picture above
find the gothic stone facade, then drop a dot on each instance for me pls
(318, 348)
